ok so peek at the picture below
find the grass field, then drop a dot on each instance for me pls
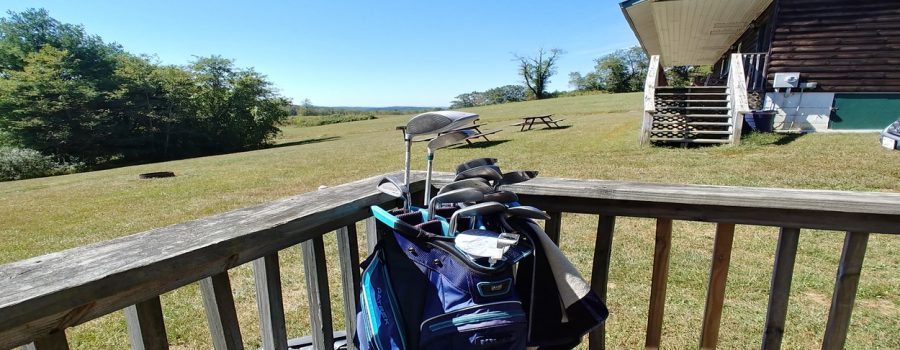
(50, 214)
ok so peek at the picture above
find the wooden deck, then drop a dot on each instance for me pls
(43, 296)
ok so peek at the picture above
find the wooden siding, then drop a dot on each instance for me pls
(844, 46)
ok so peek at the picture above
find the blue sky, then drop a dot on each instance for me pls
(360, 53)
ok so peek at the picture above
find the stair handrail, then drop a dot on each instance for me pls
(737, 95)
(655, 77)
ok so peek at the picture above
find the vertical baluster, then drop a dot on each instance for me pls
(349, 255)
(220, 312)
(56, 340)
(269, 302)
(553, 226)
(845, 285)
(780, 287)
(658, 282)
(146, 329)
(715, 293)
(371, 233)
(600, 272)
(317, 291)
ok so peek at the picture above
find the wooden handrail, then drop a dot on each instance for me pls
(41, 296)
(655, 77)
(737, 89)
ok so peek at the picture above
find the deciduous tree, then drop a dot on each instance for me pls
(537, 70)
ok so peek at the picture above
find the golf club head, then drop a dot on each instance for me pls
(476, 183)
(482, 209)
(501, 197)
(455, 196)
(526, 211)
(487, 172)
(515, 177)
(449, 139)
(477, 162)
(437, 122)
(390, 187)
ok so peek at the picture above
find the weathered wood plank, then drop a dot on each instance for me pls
(606, 226)
(371, 234)
(52, 341)
(220, 312)
(553, 226)
(650, 83)
(658, 282)
(317, 293)
(780, 288)
(269, 302)
(350, 279)
(67, 288)
(737, 87)
(845, 286)
(715, 293)
(146, 328)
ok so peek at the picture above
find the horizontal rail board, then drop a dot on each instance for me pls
(67, 288)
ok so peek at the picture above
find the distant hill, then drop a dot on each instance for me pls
(378, 109)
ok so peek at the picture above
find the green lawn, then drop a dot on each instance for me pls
(39, 216)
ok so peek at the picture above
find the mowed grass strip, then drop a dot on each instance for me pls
(39, 216)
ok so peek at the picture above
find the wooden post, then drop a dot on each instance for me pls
(658, 282)
(146, 329)
(715, 293)
(220, 312)
(845, 286)
(600, 273)
(56, 340)
(371, 234)
(737, 85)
(553, 226)
(349, 255)
(780, 288)
(654, 78)
(269, 302)
(317, 291)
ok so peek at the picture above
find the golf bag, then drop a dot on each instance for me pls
(420, 292)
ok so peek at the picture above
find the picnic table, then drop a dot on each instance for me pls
(547, 119)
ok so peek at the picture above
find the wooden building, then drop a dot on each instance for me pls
(846, 54)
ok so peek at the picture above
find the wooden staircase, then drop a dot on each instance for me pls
(691, 115)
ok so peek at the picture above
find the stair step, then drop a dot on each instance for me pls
(693, 101)
(701, 108)
(690, 93)
(694, 123)
(683, 140)
(695, 132)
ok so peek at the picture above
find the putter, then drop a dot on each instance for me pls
(431, 123)
(442, 141)
(476, 183)
(515, 177)
(472, 211)
(475, 163)
(460, 195)
(390, 187)
(487, 172)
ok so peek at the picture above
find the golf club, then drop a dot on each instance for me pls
(523, 211)
(476, 183)
(504, 197)
(460, 195)
(431, 123)
(390, 187)
(475, 163)
(442, 141)
(515, 177)
(487, 172)
(473, 211)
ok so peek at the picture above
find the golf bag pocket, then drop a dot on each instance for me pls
(378, 321)
(501, 325)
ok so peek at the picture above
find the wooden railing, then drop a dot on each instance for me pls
(656, 76)
(737, 96)
(754, 66)
(42, 296)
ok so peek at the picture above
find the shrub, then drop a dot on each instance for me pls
(306, 121)
(24, 163)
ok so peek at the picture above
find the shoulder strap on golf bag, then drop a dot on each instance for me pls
(417, 293)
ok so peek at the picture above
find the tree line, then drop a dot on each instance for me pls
(69, 95)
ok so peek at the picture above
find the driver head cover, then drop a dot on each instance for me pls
(438, 122)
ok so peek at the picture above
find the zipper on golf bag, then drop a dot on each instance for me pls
(501, 325)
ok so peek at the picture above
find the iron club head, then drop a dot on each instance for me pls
(475, 163)
(476, 183)
(487, 172)
(455, 196)
(482, 209)
(390, 187)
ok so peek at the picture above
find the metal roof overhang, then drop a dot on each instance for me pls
(690, 32)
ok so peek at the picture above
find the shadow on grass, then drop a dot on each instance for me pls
(305, 142)
(482, 144)
(545, 128)
(770, 139)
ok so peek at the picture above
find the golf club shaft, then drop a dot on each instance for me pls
(430, 159)
(406, 160)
